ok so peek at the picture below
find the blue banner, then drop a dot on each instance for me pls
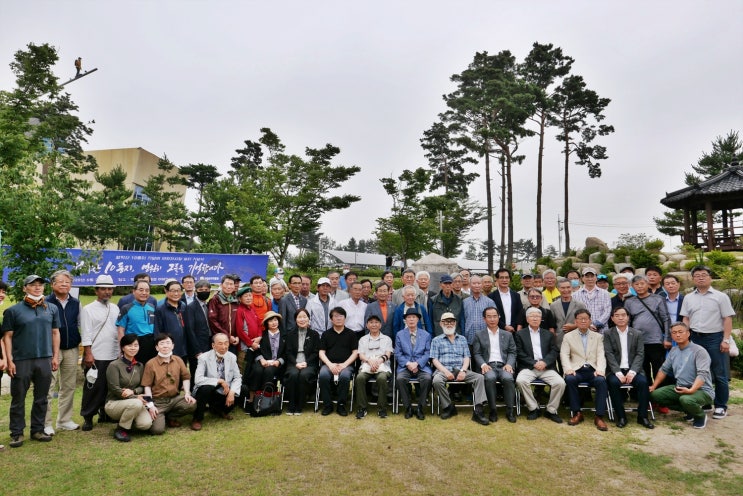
(122, 266)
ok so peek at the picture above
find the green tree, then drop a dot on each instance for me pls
(447, 159)
(41, 165)
(578, 115)
(543, 66)
(408, 231)
(491, 106)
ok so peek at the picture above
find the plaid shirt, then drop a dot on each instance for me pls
(451, 355)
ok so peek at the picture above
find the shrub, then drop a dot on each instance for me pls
(307, 261)
(654, 245)
(547, 262)
(587, 252)
(641, 257)
(566, 267)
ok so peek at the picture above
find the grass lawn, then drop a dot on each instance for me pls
(312, 454)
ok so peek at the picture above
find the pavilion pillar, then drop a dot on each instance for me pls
(710, 226)
(687, 230)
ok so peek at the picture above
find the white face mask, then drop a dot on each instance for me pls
(164, 355)
(219, 355)
(450, 330)
(35, 298)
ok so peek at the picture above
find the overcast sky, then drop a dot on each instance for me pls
(193, 80)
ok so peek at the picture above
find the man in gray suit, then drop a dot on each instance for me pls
(625, 353)
(563, 310)
(495, 356)
(217, 382)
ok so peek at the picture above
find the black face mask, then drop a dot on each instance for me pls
(203, 295)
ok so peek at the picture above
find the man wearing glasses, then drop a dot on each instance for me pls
(169, 318)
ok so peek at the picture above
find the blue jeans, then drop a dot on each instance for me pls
(326, 380)
(719, 366)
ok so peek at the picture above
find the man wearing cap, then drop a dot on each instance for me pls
(338, 353)
(198, 334)
(507, 301)
(450, 355)
(31, 338)
(69, 351)
(602, 281)
(622, 290)
(291, 302)
(320, 307)
(100, 341)
(527, 282)
(382, 308)
(278, 276)
(709, 314)
(375, 351)
(445, 301)
(596, 300)
(412, 353)
(495, 357)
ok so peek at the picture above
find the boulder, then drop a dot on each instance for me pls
(596, 242)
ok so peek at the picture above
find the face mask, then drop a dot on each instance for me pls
(35, 298)
(574, 283)
(163, 355)
(203, 295)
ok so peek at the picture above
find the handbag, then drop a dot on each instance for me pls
(266, 401)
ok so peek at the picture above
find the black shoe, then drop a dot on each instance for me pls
(449, 412)
(419, 413)
(360, 413)
(327, 410)
(121, 434)
(382, 413)
(88, 424)
(645, 423)
(478, 417)
(408, 412)
(511, 416)
(40, 436)
(622, 422)
(553, 417)
(341, 410)
(493, 417)
(533, 414)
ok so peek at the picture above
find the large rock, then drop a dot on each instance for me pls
(596, 242)
(677, 257)
(595, 256)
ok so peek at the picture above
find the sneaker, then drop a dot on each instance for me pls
(700, 423)
(16, 441)
(49, 430)
(121, 434)
(361, 413)
(689, 418)
(720, 413)
(290, 413)
(382, 413)
(297, 414)
(40, 436)
(707, 408)
(67, 426)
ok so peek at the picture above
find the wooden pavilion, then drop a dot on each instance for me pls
(721, 193)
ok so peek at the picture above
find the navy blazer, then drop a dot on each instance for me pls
(405, 353)
(525, 352)
(398, 321)
(516, 308)
(387, 327)
(288, 311)
(198, 334)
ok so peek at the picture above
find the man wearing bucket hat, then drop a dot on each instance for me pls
(100, 348)
(31, 337)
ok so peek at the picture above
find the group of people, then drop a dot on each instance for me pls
(148, 363)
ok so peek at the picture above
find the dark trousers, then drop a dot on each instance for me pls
(655, 355)
(210, 397)
(326, 380)
(296, 382)
(506, 379)
(424, 386)
(94, 396)
(38, 371)
(260, 375)
(587, 375)
(147, 349)
(720, 364)
(640, 385)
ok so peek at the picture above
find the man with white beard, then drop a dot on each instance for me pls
(450, 355)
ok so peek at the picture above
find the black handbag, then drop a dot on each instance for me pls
(266, 401)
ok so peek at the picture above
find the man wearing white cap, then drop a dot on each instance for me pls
(320, 306)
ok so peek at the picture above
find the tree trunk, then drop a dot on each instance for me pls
(490, 210)
(540, 156)
(567, 195)
(509, 202)
(502, 213)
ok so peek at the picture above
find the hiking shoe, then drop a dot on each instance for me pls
(361, 413)
(40, 436)
(88, 424)
(720, 413)
(16, 441)
(121, 434)
(700, 423)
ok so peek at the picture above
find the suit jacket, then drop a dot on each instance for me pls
(405, 353)
(398, 320)
(198, 334)
(387, 327)
(613, 350)
(207, 375)
(288, 310)
(265, 349)
(481, 347)
(311, 348)
(516, 308)
(562, 318)
(573, 357)
(525, 351)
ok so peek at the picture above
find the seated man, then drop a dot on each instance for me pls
(495, 355)
(161, 380)
(375, 350)
(451, 357)
(584, 361)
(338, 352)
(412, 350)
(624, 355)
(536, 354)
(690, 364)
(218, 381)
